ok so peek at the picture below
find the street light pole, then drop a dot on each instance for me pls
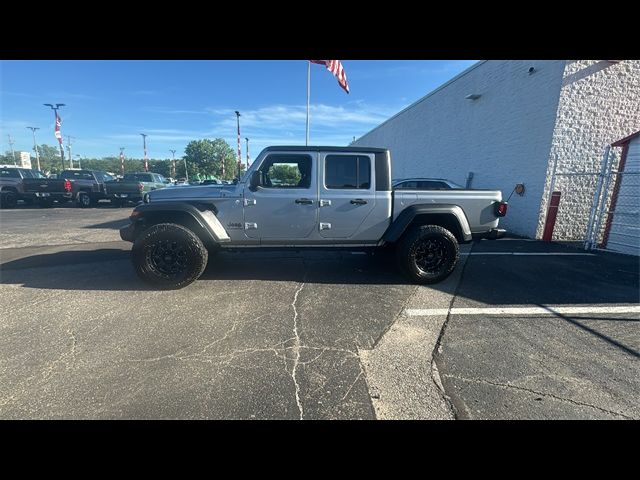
(57, 128)
(144, 144)
(69, 137)
(173, 164)
(13, 154)
(247, 152)
(186, 174)
(35, 145)
(122, 161)
(79, 160)
(239, 153)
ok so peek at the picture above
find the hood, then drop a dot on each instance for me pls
(192, 192)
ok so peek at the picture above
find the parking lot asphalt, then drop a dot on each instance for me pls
(290, 335)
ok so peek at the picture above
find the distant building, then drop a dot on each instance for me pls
(25, 160)
(500, 123)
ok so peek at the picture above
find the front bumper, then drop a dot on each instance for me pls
(128, 233)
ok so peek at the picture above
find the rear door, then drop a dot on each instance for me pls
(347, 192)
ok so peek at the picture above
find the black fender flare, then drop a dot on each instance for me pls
(409, 214)
(206, 220)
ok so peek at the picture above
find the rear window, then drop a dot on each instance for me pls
(347, 172)
(76, 175)
(9, 173)
(138, 177)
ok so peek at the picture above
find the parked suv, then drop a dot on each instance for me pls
(308, 197)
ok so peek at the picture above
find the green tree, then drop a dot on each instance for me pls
(206, 157)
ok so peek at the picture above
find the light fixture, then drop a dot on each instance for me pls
(473, 96)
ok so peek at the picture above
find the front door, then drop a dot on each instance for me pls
(285, 207)
(347, 193)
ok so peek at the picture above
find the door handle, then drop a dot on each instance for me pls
(358, 201)
(304, 201)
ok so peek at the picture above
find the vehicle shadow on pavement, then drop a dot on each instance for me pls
(111, 269)
(104, 269)
(112, 225)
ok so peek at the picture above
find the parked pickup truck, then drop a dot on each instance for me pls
(133, 186)
(85, 187)
(309, 197)
(12, 184)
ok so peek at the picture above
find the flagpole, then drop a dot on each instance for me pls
(308, 97)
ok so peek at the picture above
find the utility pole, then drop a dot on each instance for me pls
(35, 145)
(13, 154)
(122, 161)
(69, 137)
(247, 152)
(144, 144)
(186, 174)
(173, 164)
(57, 128)
(79, 160)
(239, 153)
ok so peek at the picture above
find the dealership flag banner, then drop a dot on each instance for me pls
(336, 68)
(58, 125)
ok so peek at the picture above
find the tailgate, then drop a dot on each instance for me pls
(51, 185)
(122, 187)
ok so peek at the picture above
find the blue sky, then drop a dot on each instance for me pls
(109, 103)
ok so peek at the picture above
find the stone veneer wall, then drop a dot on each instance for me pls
(599, 104)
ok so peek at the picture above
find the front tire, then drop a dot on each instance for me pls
(8, 199)
(428, 254)
(169, 256)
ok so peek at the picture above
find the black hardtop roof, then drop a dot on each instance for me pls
(303, 148)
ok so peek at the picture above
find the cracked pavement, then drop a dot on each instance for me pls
(312, 335)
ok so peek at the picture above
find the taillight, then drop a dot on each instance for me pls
(67, 185)
(140, 187)
(500, 209)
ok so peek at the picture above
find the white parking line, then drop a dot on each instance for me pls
(551, 310)
(529, 253)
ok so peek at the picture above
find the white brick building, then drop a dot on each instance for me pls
(530, 115)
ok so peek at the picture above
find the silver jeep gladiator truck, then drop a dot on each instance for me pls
(309, 197)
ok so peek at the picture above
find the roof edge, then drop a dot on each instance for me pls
(432, 92)
(625, 140)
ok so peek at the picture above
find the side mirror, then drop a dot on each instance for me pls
(255, 181)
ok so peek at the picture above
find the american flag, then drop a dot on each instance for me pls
(335, 67)
(58, 125)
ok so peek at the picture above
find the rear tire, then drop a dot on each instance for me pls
(428, 254)
(8, 199)
(169, 256)
(84, 200)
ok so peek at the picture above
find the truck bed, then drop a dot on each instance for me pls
(478, 205)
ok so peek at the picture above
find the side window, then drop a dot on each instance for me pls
(410, 185)
(26, 173)
(347, 172)
(432, 185)
(9, 173)
(286, 171)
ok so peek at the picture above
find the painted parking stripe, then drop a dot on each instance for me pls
(525, 254)
(425, 312)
